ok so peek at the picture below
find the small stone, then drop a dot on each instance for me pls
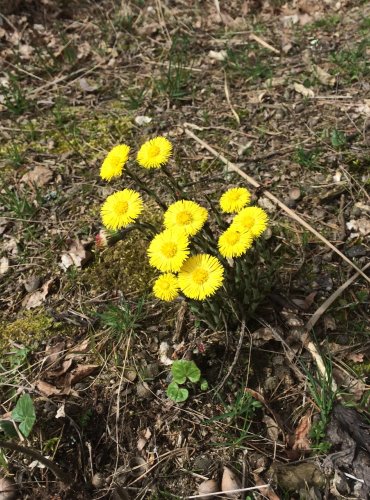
(356, 251)
(295, 194)
(143, 391)
(98, 480)
(33, 283)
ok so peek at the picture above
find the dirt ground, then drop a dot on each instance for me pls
(282, 91)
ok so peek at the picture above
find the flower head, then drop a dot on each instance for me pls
(166, 287)
(121, 209)
(234, 243)
(252, 219)
(154, 153)
(200, 276)
(186, 214)
(114, 162)
(168, 250)
(234, 200)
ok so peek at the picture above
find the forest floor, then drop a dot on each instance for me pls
(282, 91)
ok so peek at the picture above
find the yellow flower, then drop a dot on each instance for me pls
(234, 200)
(121, 209)
(114, 162)
(252, 219)
(154, 153)
(234, 243)
(166, 287)
(168, 250)
(186, 214)
(200, 276)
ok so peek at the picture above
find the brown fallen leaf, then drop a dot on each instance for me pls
(47, 389)
(4, 265)
(356, 357)
(266, 492)
(76, 256)
(262, 335)
(83, 371)
(324, 77)
(301, 89)
(37, 297)
(38, 176)
(272, 428)
(301, 439)
(54, 353)
(55, 374)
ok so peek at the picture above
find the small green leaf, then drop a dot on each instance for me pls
(8, 427)
(176, 393)
(183, 369)
(203, 384)
(24, 412)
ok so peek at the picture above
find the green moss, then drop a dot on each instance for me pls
(123, 267)
(361, 369)
(30, 329)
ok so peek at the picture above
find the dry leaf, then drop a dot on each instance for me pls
(356, 357)
(76, 256)
(207, 488)
(142, 120)
(82, 371)
(301, 439)
(230, 482)
(38, 176)
(217, 56)
(61, 412)
(85, 86)
(301, 89)
(54, 353)
(267, 492)
(37, 297)
(271, 428)
(262, 335)
(324, 77)
(361, 226)
(4, 265)
(47, 389)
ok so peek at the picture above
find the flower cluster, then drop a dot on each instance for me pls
(123, 207)
(199, 276)
(174, 252)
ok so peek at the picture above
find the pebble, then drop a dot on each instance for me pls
(33, 283)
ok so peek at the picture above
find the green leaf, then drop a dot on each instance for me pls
(203, 384)
(8, 427)
(176, 393)
(24, 412)
(183, 369)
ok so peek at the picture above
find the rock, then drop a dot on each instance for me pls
(143, 391)
(97, 480)
(33, 283)
(207, 488)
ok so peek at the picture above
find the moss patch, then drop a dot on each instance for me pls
(29, 330)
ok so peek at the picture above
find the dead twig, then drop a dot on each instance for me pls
(231, 166)
(236, 357)
(30, 452)
(263, 43)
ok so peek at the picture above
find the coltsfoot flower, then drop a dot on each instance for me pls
(185, 214)
(234, 200)
(201, 276)
(121, 209)
(253, 219)
(154, 153)
(234, 243)
(166, 287)
(114, 162)
(168, 250)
